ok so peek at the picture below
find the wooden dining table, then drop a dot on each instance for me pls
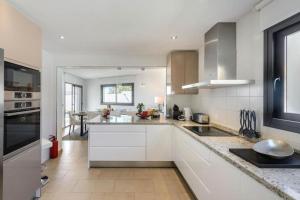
(81, 115)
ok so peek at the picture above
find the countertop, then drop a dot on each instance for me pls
(127, 119)
(284, 182)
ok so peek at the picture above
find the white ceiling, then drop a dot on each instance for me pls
(102, 72)
(128, 27)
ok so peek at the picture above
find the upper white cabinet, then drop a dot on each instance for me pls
(159, 142)
(20, 38)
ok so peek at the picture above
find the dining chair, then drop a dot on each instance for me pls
(74, 121)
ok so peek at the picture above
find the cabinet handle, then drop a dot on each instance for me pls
(275, 83)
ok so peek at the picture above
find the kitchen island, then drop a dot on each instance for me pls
(211, 171)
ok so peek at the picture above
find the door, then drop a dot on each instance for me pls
(73, 100)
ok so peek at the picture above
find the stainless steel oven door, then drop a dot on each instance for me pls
(21, 128)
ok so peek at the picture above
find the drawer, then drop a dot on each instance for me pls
(117, 139)
(199, 148)
(198, 187)
(117, 128)
(117, 154)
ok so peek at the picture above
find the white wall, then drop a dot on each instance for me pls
(48, 100)
(154, 82)
(97, 60)
(223, 104)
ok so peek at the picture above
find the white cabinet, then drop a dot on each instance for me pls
(210, 176)
(117, 143)
(130, 143)
(117, 153)
(159, 142)
(251, 189)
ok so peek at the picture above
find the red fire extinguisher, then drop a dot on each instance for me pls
(54, 148)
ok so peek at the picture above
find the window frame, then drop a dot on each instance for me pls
(274, 115)
(116, 103)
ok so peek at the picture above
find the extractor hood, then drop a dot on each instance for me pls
(220, 58)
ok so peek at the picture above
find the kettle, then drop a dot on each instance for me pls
(187, 113)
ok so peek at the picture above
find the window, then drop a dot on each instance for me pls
(117, 94)
(281, 78)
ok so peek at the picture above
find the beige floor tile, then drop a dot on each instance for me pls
(70, 178)
(125, 185)
(73, 196)
(145, 196)
(104, 186)
(84, 186)
(144, 186)
(113, 196)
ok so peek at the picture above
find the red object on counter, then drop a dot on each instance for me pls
(54, 148)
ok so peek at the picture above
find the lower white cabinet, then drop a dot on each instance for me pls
(159, 142)
(130, 143)
(117, 154)
(210, 176)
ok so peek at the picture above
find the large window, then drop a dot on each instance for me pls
(73, 101)
(117, 94)
(282, 70)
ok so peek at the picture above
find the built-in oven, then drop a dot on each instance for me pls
(20, 78)
(21, 125)
(21, 108)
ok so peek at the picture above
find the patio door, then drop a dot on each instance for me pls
(73, 100)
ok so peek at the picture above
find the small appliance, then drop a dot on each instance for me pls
(200, 118)
(187, 112)
(177, 114)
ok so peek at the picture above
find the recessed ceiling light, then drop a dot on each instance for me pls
(174, 37)
(61, 37)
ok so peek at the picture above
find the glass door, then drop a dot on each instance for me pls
(73, 101)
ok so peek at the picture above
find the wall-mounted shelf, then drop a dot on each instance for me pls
(212, 84)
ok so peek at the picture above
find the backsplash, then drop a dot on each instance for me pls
(224, 104)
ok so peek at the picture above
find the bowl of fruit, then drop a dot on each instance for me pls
(143, 114)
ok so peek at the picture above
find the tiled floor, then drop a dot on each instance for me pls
(70, 179)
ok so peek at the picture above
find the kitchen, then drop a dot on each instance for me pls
(161, 158)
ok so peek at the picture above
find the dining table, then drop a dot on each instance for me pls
(81, 115)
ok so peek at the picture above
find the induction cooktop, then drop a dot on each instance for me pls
(208, 131)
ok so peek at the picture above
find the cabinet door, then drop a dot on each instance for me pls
(251, 189)
(20, 38)
(159, 143)
(177, 72)
(191, 70)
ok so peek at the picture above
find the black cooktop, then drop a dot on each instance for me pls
(207, 131)
(262, 161)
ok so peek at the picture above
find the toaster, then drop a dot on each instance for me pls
(200, 118)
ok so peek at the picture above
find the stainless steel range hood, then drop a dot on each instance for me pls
(220, 58)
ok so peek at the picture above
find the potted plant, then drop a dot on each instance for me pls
(140, 107)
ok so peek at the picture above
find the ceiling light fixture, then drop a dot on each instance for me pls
(61, 37)
(174, 37)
